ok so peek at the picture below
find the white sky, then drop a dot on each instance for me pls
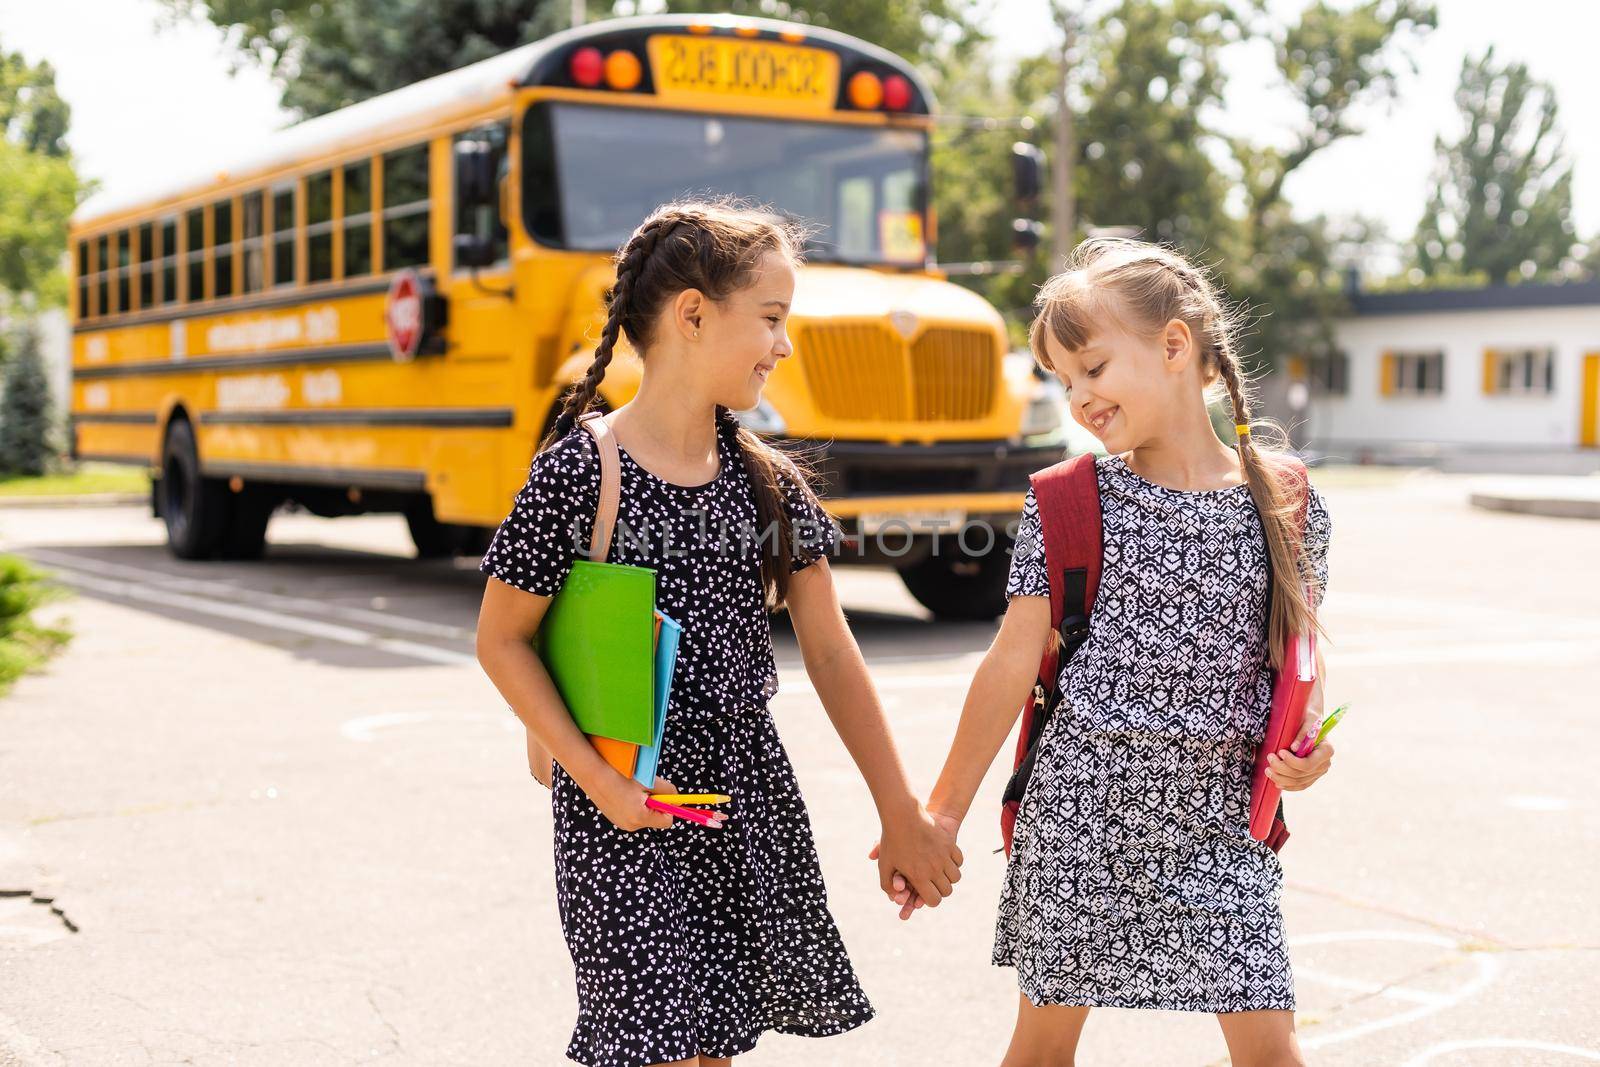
(150, 102)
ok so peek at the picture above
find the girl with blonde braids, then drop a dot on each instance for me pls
(688, 942)
(1133, 880)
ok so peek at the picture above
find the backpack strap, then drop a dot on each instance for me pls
(1068, 495)
(605, 516)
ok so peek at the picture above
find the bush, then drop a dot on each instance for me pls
(25, 430)
(24, 644)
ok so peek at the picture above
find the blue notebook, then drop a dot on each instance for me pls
(666, 661)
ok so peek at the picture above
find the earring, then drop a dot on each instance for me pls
(697, 333)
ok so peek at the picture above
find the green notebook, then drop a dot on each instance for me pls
(595, 641)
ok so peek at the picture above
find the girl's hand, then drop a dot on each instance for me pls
(909, 899)
(1291, 773)
(920, 852)
(622, 801)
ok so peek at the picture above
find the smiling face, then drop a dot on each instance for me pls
(1122, 387)
(743, 337)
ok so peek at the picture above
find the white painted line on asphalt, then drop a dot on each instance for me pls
(1433, 1052)
(345, 635)
(1429, 1002)
(230, 591)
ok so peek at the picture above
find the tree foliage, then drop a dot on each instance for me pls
(26, 446)
(1502, 195)
(38, 186)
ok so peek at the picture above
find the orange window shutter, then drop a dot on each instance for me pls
(1388, 374)
(1491, 371)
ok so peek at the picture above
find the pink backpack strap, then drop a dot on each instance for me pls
(605, 516)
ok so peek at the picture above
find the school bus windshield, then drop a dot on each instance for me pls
(593, 172)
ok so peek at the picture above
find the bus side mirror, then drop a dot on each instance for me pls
(476, 190)
(1027, 171)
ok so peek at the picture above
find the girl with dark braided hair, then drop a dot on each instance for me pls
(689, 942)
(1133, 879)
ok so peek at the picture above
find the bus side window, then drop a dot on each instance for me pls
(147, 265)
(357, 218)
(254, 252)
(283, 265)
(83, 279)
(405, 208)
(222, 248)
(169, 259)
(319, 227)
(482, 218)
(124, 272)
(195, 244)
(103, 276)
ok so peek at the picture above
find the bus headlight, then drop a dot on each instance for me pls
(763, 418)
(1043, 414)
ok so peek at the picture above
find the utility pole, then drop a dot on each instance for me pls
(1063, 211)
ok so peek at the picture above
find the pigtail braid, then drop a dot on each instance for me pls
(631, 262)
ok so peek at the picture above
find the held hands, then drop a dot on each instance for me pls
(909, 886)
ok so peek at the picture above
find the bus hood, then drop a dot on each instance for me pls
(824, 291)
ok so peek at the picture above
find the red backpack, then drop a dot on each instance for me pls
(1068, 497)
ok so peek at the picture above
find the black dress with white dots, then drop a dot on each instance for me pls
(689, 940)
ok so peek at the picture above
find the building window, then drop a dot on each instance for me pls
(357, 218)
(1413, 373)
(483, 219)
(1330, 375)
(253, 247)
(124, 271)
(148, 254)
(169, 259)
(1519, 371)
(194, 243)
(283, 230)
(319, 227)
(405, 208)
(83, 280)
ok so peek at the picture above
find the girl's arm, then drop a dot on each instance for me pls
(508, 618)
(1003, 681)
(912, 844)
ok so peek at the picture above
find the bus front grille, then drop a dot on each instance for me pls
(867, 372)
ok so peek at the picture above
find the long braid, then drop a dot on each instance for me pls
(631, 262)
(1278, 508)
(765, 468)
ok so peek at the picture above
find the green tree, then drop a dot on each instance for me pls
(1502, 196)
(26, 429)
(38, 186)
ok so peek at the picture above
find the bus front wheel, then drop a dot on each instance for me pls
(442, 540)
(194, 508)
(959, 587)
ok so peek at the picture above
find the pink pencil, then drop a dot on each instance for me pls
(704, 818)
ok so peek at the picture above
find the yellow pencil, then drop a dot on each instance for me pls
(692, 798)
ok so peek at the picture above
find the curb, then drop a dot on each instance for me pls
(1552, 507)
(85, 500)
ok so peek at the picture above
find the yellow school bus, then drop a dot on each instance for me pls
(378, 310)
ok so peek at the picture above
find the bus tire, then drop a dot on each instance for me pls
(194, 508)
(957, 587)
(443, 540)
(245, 535)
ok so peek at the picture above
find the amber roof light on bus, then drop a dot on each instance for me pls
(623, 70)
(586, 67)
(866, 90)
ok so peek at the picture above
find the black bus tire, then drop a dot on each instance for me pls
(957, 587)
(194, 508)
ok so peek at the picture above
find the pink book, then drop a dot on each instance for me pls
(1289, 698)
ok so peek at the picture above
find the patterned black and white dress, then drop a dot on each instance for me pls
(688, 940)
(1133, 880)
